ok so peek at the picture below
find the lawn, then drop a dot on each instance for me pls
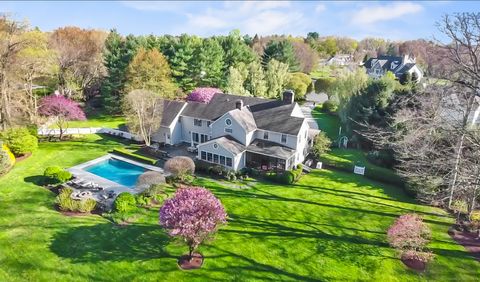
(328, 123)
(97, 120)
(329, 226)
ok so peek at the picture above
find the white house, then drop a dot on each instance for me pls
(378, 67)
(238, 131)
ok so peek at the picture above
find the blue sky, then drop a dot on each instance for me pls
(388, 19)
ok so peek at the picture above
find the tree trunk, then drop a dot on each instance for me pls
(455, 170)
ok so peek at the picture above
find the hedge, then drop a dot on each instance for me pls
(371, 172)
(126, 153)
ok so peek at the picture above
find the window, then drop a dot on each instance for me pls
(215, 158)
(228, 122)
(222, 160)
(215, 145)
(203, 138)
(229, 162)
(228, 130)
(204, 155)
(195, 137)
(265, 135)
(284, 138)
(197, 122)
(209, 157)
(208, 123)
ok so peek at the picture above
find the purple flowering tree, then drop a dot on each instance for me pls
(203, 94)
(193, 214)
(61, 108)
(410, 235)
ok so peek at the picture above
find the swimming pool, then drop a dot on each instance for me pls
(117, 171)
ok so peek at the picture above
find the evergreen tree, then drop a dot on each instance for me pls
(208, 64)
(236, 51)
(282, 51)
(276, 76)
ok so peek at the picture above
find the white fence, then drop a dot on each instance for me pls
(89, 130)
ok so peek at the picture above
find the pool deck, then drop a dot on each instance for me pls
(79, 172)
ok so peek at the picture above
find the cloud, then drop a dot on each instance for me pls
(320, 8)
(156, 6)
(375, 14)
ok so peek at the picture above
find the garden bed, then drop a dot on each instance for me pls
(469, 240)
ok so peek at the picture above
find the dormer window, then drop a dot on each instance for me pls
(265, 135)
(394, 64)
(197, 122)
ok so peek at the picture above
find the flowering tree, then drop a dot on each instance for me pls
(193, 214)
(410, 235)
(61, 108)
(203, 94)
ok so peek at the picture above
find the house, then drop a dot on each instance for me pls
(339, 60)
(237, 131)
(399, 66)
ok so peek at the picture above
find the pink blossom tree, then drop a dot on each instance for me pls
(193, 214)
(410, 235)
(61, 108)
(203, 94)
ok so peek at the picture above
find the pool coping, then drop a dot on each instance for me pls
(80, 172)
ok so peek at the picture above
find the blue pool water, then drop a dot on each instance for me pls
(117, 171)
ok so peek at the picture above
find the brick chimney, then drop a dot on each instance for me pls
(239, 104)
(288, 97)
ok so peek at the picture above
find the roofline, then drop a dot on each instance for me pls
(213, 140)
(235, 119)
(178, 115)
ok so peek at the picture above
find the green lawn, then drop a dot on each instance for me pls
(328, 123)
(97, 120)
(330, 227)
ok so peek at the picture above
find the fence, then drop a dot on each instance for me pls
(89, 130)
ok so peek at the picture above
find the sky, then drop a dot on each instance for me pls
(392, 20)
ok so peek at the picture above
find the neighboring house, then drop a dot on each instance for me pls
(339, 60)
(378, 67)
(238, 131)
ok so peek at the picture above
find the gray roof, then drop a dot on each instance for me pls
(385, 62)
(170, 110)
(245, 118)
(405, 68)
(272, 115)
(229, 143)
(270, 149)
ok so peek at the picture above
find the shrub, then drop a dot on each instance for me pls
(125, 202)
(19, 140)
(330, 106)
(409, 235)
(299, 82)
(287, 177)
(7, 159)
(66, 203)
(383, 158)
(126, 153)
(321, 144)
(57, 174)
(150, 178)
(180, 167)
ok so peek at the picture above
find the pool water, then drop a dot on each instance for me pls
(117, 171)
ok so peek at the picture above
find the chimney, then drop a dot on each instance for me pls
(288, 96)
(239, 104)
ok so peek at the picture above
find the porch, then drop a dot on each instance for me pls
(266, 155)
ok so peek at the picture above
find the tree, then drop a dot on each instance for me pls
(276, 76)
(236, 80)
(149, 70)
(236, 51)
(324, 85)
(409, 235)
(299, 83)
(62, 109)
(255, 83)
(79, 60)
(306, 56)
(203, 94)
(327, 47)
(180, 167)
(143, 110)
(321, 145)
(281, 51)
(193, 214)
(208, 63)
(150, 178)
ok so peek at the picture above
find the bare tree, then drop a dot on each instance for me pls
(143, 110)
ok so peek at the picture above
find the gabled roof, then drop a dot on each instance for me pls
(227, 142)
(171, 109)
(278, 119)
(389, 63)
(245, 118)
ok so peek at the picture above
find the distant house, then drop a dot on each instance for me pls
(237, 131)
(399, 66)
(339, 60)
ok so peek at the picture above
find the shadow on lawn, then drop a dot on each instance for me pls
(107, 242)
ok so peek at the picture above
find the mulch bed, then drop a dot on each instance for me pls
(23, 157)
(415, 264)
(469, 240)
(185, 263)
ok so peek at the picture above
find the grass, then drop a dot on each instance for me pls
(328, 123)
(97, 120)
(330, 226)
(324, 71)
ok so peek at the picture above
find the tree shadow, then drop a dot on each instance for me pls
(38, 180)
(108, 242)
